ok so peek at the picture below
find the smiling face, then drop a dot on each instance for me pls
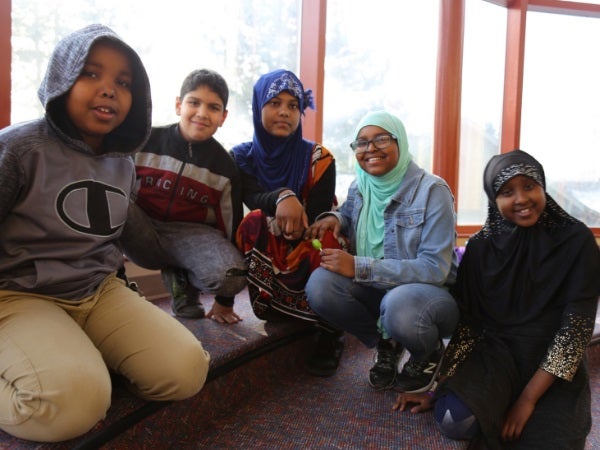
(202, 113)
(521, 201)
(280, 116)
(101, 97)
(377, 162)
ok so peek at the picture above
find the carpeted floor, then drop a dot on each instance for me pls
(299, 411)
(272, 403)
(342, 412)
(287, 409)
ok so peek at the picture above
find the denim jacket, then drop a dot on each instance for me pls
(420, 233)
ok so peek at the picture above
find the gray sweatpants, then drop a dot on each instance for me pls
(200, 249)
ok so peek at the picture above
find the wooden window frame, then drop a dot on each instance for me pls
(446, 139)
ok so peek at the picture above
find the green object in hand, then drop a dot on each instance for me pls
(317, 244)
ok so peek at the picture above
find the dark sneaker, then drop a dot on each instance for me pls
(327, 353)
(383, 374)
(420, 376)
(185, 298)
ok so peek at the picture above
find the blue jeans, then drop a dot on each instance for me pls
(414, 315)
(454, 418)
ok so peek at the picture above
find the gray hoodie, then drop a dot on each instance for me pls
(62, 206)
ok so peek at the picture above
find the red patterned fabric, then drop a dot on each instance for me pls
(277, 268)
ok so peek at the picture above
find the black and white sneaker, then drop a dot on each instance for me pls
(383, 374)
(420, 376)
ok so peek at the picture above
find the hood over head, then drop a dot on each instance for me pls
(65, 66)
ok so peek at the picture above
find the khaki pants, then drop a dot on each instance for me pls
(55, 358)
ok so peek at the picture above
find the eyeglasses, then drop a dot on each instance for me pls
(381, 142)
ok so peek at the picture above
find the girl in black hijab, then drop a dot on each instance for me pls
(515, 371)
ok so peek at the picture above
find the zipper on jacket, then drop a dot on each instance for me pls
(179, 176)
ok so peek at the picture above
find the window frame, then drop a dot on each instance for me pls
(446, 139)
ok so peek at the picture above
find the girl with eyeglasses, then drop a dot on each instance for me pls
(391, 290)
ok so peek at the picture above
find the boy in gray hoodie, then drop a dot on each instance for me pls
(66, 318)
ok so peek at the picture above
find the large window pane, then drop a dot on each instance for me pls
(481, 114)
(561, 108)
(379, 55)
(238, 38)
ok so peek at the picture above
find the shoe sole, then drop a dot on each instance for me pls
(190, 316)
(383, 388)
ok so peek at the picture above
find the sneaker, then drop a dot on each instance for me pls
(185, 298)
(383, 374)
(327, 354)
(420, 376)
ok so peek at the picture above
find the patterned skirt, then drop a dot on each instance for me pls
(278, 269)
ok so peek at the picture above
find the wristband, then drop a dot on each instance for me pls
(225, 301)
(283, 197)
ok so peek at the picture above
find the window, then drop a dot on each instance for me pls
(561, 108)
(481, 113)
(379, 57)
(239, 39)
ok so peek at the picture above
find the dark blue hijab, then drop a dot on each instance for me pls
(276, 162)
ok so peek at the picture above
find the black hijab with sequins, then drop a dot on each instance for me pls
(512, 275)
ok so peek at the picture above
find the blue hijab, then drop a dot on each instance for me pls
(276, 162)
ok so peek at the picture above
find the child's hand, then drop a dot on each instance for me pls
(338, 261)
(422, 401)
(318, 229)
(516, 418)
(291, 218)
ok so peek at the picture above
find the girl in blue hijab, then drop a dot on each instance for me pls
(277, 160)
(287, 181)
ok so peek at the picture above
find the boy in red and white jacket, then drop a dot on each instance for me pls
(188, 204)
